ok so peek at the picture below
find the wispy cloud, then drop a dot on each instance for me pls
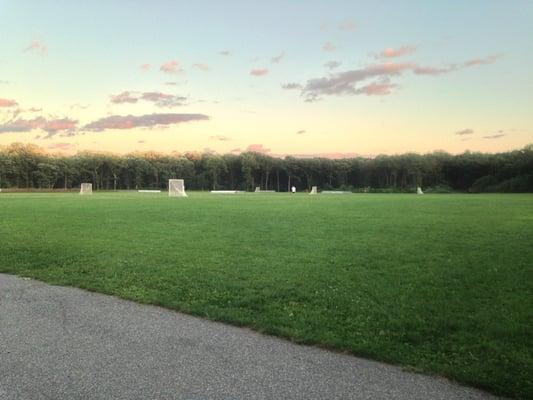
(466, 131)
(328, 46)
(344, 83)
(352, 82)
(148, 120)
(483, 61)
(145, 67)
(259, 72)
(124, 97)
(37, 46)
(332, 64)
(434, 70)
(391, 52)
(8, 103)
(220, 138)
(300, 132)
(225, 52)
(378, 88)
(158, 98)
(277, 59)
(163, 99)
(496, 136)
(201, 67)
(170, 67)
(291, 86)
(50, 126)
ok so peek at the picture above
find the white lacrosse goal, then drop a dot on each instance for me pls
(86, 188)
(176, 188)
(313, 190)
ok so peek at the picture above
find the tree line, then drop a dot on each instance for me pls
(29, 166)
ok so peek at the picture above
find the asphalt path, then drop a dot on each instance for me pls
(66, 343)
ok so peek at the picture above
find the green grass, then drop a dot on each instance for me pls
(438, 283)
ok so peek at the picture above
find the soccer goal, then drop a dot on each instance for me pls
(86, 188)
(176, 188)
(313, 190)
(419, 190)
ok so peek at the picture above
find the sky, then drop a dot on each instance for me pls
(325, 78)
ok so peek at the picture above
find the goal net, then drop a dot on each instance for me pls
(86, 188)
(176, 188)
(313, 190)
(419, 190)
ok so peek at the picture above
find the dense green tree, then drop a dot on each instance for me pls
(28, 166)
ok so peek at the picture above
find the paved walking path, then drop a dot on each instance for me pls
(65, 343)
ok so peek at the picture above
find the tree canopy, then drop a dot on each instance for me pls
(29, 166)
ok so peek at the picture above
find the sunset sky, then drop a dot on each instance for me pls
(299, 77)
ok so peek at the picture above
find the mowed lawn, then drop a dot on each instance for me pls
(441, 284)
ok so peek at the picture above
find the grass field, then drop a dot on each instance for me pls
(437, 283)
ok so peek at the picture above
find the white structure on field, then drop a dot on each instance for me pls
(176, 188)
(419, 190)
(258, 190)
(313, 190)
(86, 188)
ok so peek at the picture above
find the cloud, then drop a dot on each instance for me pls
(344, 83)
(145, 67)
(328, 46)
(482, 61)
(8, 103)
(163, 99)
(497, 136)
(259, 72)
(258, 148)
(34, 109)
(278, 58)
(158, 98)
(225, 52)
(455, 67)
(124, 97)
(51, 126)
(170, 67)
(148, 120)
(380, 88)
(4, 82)
(38, 47)
(60, 146)
(141, 141)
(236, 150)
(201, 67)
(291, 86)
(467, 131)
(347, 82)
(171, 83)
(332, 64)
(434, 70)
(79, 106)
(347, 26)
(391, 53)
(220, 138)
(300, 132)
